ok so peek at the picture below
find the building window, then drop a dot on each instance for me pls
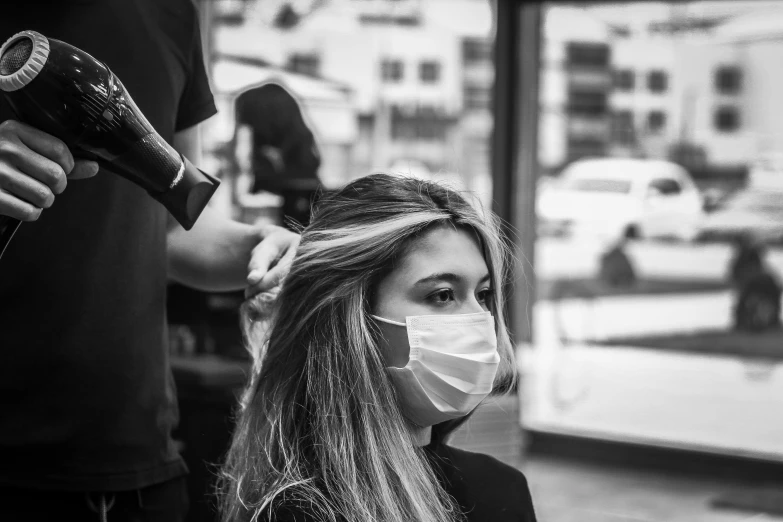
(475, 50)
(656, 121)
(391, 71)
(728, 80)
(304, 63)
(620, 30)
(727, 119)
(429, 72)
(657, 81)
(622, 127)
(476, 97)
(585, 148)
(587, 55)
(587, 103)
(623, 79)
(423, 123)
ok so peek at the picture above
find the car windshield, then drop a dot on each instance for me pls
(606, 185)
(759, 201)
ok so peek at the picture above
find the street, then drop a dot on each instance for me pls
(579, 258)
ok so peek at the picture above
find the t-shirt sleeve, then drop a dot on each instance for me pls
(197, 103)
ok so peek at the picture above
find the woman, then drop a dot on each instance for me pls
(387, 333)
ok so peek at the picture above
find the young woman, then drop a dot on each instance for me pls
(387, 333)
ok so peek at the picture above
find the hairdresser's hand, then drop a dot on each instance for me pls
(34, 167)
(271, 259)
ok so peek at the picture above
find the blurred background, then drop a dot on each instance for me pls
(636, 151)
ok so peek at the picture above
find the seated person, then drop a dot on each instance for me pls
(387, 333)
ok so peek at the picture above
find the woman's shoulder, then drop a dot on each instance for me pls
(480, 465)
(485, 487)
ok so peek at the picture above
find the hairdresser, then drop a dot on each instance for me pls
(88, 399)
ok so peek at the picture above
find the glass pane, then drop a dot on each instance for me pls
(401, 86)
(660, 226)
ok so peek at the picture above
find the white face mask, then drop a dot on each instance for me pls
(452, 364)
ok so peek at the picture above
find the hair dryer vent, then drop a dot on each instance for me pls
(15, 56)
(21, 59)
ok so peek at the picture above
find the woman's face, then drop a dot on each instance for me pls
(444, 272)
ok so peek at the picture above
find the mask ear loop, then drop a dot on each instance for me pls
(387, 321)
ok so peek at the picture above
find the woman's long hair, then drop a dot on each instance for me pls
(320, 428)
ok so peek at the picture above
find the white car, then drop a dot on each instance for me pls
(618, 197)
(755, 213)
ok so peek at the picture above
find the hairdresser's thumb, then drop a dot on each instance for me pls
(83, 169)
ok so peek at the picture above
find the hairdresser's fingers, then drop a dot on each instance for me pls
(271, 279)
(16, 208)
(17, 184)
(38, 142)
(83, 169)
(271, 259)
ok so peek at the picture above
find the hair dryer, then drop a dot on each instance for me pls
(67, 93)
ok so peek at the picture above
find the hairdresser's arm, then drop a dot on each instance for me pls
(219, 254)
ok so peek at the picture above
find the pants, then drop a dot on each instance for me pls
(166, 502)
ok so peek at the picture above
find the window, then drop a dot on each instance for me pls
(391, 71)
(424, 123)
(656, 121)
(616, 186)
(476, 50)
(620, 30)
(587, 54)
(476, 97)
(727, 119)
(622, 127)
(728, 80)
(429, 72)
(579, 148)
(657, 81)
(586, 102)
(304, 63)
(623, 79)
(229, 12)
(664, 187)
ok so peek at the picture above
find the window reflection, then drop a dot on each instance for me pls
(383, 84)
(660, 225)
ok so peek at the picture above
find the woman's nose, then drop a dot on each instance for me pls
(474, 306)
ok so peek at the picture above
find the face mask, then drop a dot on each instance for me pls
(452, 364)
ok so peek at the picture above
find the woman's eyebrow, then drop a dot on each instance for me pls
(448, 277)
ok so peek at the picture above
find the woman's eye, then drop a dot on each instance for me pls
(442, 296)
(484, 295)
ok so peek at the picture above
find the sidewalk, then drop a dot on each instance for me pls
(576, 491)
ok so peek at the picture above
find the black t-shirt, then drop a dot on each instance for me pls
(486, 489)
(88, 401)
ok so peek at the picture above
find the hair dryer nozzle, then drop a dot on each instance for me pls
(189, 195)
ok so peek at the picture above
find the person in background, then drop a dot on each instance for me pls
(386, 334)
(276, 151)
(88, 399)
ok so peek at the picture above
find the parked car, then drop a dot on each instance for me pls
(621, 197)
(756, 213)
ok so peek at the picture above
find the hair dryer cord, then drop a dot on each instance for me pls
(8, 226)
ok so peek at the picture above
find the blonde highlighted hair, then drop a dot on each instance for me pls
(320, 429)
